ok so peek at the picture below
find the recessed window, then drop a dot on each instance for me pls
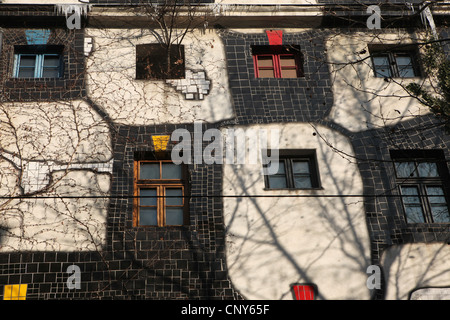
(160, 194)
(422, 181)
(38, 62)
(296, 169)
(395, 62)
(157, 61)
(277, 61)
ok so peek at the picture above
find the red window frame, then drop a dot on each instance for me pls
(302, 291)
(277, 65)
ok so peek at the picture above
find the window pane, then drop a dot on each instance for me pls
(50, 73)
(147, 197)
(301, 167)
(289, 73)
(26, 73)
(381, 66)
(287, 61)
(302, 182)
(405, 66)
(427, 169)
(276, 182)
(174, 216)
(27, 61)
(436, 195)
(281, 169)
(171, 171)
(413, 207)
(148, 217)
(440, 213)
(174, 197)
(410, 195)
(266, 73)
(51, 61)
(149, 171)
(405, 169)
(265, 61)
(414, 214)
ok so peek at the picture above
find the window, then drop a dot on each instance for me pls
(156, 61)
(297, 169)
(395, 63)
(277, 61)
(15, 292)
(160, 194)
(422, 180)
(38, 62)
(304, 291)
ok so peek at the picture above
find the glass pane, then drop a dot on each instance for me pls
(147, 197)
(174, 216)
(381, 66)
(171, 171)
(51, 61)
(410, 195)
(380, 61)
(266, 73)
(265, 61)
(149, 171)
(414, 214)
(276, 182)
(281, 169)
(440, 213)
(403, 61)
(302, 182)
(405, 169)
(27, 61)
(427, 169)
(26, 73)
(174, 197)
(436, 195)
(148, 217)
(301, 167)
(289, 73)
(287, 61)
(50, 73)
(406, 72)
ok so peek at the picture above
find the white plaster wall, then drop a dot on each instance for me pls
(52, 150)
(274, 242)
(412, 266)
(40, 1)
(65, 132)
(362, 101)
(112, 85)
(55, 223)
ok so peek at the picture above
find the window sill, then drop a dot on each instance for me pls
(293, 189)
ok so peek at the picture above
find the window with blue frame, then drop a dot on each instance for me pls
(38, 62)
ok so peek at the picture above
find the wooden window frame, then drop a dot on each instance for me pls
(161, 185)
(422, 183)
(290, 156)
(277, 53)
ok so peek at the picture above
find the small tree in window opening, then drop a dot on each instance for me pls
(174, 19)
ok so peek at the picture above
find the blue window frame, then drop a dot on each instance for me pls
(35, 62)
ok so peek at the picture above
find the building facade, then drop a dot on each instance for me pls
(221, 151)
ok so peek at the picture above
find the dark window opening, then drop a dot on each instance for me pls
(158, 62)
